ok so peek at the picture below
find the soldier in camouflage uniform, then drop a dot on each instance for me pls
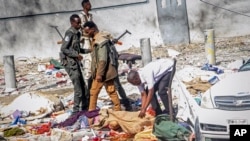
(71, 59)
(103, 72)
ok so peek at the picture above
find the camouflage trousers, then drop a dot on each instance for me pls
(110, 89)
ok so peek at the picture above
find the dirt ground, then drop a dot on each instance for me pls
(227, 50)
(26, 71)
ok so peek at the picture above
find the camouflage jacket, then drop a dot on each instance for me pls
(101, 64)
(71, 48)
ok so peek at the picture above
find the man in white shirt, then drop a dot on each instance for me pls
(152, 79)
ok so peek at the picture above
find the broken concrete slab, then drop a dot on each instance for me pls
(173, 53)
(31, 102)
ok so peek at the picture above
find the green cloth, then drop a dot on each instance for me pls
(56, 64)
(13, 132)
(166, 130)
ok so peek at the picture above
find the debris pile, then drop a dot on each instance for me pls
(41, 107)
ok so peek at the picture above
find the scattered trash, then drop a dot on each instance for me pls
(67, 101)
(85, 138)
(13, 132)
(138, 102)
(18, 121)
(50, 67)
(16, 114)
(41, 67)
(61, 82)
(173, 53)
(48, 72)
(84, 121)
(56, 64)
(197, 85)
(209, 67)
(60, 135)
(198, 99)
(61, 117)
(55, 74)
(59, 74)
(213, 80)
(21, 80)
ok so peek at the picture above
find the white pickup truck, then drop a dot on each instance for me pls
(210, 113)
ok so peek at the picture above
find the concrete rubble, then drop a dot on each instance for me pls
(44, 93)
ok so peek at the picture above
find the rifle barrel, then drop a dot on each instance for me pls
(57, 30)
(123, 34)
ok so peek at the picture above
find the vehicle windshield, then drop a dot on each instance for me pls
(245, 66)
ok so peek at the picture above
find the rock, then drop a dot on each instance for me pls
(173, 53)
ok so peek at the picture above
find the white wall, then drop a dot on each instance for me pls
(140, 20)
(33, 37)
(226, 24)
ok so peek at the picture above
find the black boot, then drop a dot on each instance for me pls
(127, 105)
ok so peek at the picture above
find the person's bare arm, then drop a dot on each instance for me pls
(149, 98)
(191, 137)
(146, 99)
(143, 99)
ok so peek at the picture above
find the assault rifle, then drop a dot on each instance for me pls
(113, 54)
(116, 40)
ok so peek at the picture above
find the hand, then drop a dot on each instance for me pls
(142, 113)
(79, 57)
(99, 78)
(119, 43)
(59, 42)
(191, 137)
(82, 39)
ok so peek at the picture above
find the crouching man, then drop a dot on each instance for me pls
(153, 78)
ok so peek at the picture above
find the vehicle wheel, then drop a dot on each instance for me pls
(197, 130)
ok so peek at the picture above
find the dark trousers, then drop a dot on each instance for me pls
(80, 97)
(121, 91)
(88, 83)
(161, 88)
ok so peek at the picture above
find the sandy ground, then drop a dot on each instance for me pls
(29, 79)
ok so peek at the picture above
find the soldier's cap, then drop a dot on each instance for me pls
(89, 24)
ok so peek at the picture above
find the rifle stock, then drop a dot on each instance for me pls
(59, 42)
